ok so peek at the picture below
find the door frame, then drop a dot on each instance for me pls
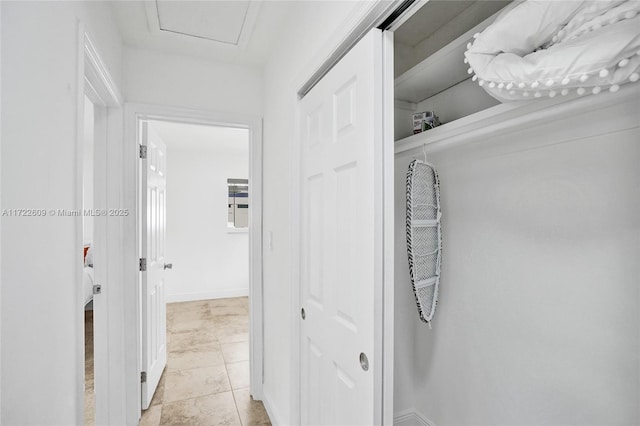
(134, 113)
(365, 16)
(95, 81)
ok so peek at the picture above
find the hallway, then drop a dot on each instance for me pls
(206, 380)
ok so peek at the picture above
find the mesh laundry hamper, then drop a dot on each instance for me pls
(424, 236)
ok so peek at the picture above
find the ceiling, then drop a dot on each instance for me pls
(237, 31)
(196, 137)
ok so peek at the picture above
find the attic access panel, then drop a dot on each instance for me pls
(220, 21)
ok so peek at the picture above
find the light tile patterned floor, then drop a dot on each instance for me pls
(206, 381)
(89, 395)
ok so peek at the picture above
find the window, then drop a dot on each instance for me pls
(238, 216)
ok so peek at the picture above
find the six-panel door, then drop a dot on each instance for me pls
(341, 137)
(154, 184)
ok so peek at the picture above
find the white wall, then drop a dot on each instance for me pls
(41, 347)
(181, 81)
(406, 317)
(312, 28)
(537, 320)
(1, 204)
(208, 260)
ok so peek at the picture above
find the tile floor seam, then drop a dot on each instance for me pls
(235, 402)
(195, 368)
(194, 397)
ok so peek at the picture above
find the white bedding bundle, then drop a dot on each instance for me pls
(549, 48)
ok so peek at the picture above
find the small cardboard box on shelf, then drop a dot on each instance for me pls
(424, 121)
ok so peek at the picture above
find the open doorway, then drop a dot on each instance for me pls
(196, 203)
(88, 276)
(99, 216)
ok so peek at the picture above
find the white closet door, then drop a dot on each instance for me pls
(341, 167)
(154, 309)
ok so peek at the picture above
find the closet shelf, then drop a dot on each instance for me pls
(504, 118)
(438, 72)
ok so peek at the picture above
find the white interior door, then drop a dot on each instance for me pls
(153, 227)
(341, 170)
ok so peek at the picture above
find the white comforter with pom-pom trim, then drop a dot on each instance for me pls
(556, 48)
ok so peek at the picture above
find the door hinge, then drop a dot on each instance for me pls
(143, 377)
(143, 264)
(143, 151)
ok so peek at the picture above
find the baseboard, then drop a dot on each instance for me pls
(411, 418)
(405, 418)
(274, 416)
(218, 294)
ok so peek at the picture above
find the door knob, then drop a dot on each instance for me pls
(168, 266)
(303, 314)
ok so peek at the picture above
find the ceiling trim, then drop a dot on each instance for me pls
(249, 24)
